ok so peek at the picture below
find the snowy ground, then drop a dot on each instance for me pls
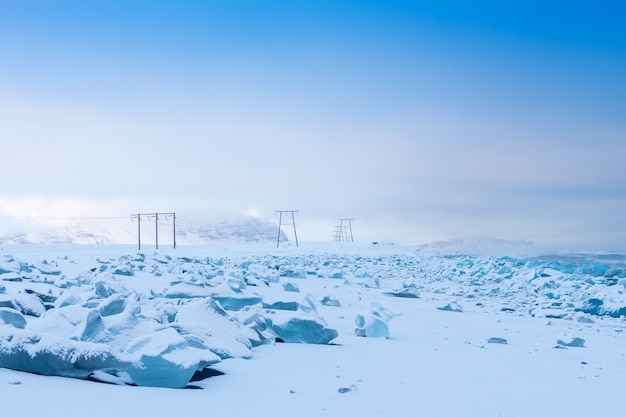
(435, 362)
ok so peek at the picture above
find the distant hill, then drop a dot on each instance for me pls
(480, 245)
(240, 230)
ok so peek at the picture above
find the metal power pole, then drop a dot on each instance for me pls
(342, 230)
(138, 217)
(156, 229)
(280, 224)
(174, 228)
(156, 225)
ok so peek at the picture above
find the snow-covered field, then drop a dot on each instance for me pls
(368, 330)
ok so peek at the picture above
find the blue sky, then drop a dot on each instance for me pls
(423, 120)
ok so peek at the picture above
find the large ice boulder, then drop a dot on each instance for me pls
(27, 304)
(47, 354)
(12, 317)
(204, 323)
(299, 328)
(375, 323)
(597, 307)
(163, 359)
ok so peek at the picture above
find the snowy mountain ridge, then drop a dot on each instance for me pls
(479, 245)
(240, 230)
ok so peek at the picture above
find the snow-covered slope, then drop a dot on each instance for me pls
(124, 231)
(480, 245)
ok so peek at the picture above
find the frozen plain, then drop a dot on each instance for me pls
(435, 362)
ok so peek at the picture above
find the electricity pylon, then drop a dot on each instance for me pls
(281, 223)
(154, 216)
(343, 232)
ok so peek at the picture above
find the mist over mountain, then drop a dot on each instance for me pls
(239, 230)
(480, 245)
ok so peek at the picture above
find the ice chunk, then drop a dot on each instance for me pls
(309, 304)
(237, 284)
(46, 354)
(94, 328)
(584, 319)
(371, 326)
(596, 307)
(375, 323)
(29, 305)
(237, 303)
(45, 298)
(300, 329)
(114, 304)
(290, 286)
(343, 390)
(452, 306)
(282, 305)
(162, 359)
(12, 277)
(331, 301)
(497, 340)
(204, 321)
(380, 311)
(571, 341)
(72, 296)
(221, 345)
(47, 269)
(12, 317)
(105, 285)
(124, 270)
(404, 293)
(9, 267)
(300, 273)
(188, 290)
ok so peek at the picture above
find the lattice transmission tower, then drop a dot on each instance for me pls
(343, 230)
(286, 214)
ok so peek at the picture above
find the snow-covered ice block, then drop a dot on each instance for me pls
(236, 283)
(597, 307)
(12, 317)
(47, 354)
(309, 304)
(404, 293)
(236, 303)
(163, 359)
(282, 305)
(222, 345)
(9, 266)
(330, 301)
(29, 305)
(112, 305)
(47, 268)
(72, 296)
(105, 284)
(452, 306)
(205, 321)
(571, 341)
(12, 277)
(300, 329)
(188, 290)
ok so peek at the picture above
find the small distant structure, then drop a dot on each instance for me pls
(286, 214)
(343, 230)
(156, 218)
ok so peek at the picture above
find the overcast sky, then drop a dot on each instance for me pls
(423, 120)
